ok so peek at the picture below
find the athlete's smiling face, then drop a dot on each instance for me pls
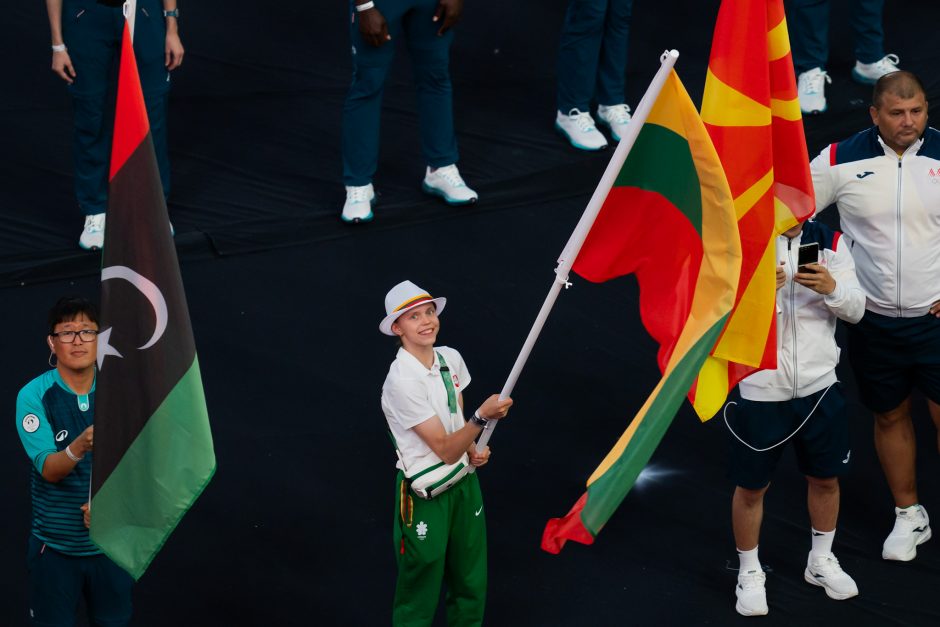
(418, 327)
(79, 355)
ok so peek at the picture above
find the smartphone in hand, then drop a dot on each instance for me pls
(808, 253)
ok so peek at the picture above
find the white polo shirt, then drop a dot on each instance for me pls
(412, 394)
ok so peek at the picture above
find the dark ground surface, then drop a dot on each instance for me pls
(295, 528)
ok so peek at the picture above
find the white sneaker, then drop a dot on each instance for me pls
(447, 183)
(868, 73)
(92, 237)
(824, 571)
(911, 527)
(811, 86)
(578, 127)
(615, 117)
(752, 597)
(358, 206)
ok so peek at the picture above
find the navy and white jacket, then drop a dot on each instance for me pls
(889, 207)
(807, 353)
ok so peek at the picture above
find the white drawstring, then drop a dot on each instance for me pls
(761, 450)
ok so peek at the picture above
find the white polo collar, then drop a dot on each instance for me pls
(411, 362)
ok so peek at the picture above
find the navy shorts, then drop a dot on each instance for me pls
(58, 581)
(821, 445)
(892, 356)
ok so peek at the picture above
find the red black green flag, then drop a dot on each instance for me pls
(153, 446)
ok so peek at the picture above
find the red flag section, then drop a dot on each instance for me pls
(752, 114)
(130, 114)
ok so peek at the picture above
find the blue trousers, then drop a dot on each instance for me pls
(410, 21)
(57, 582)
(93, 32)
(808, 24)
(592, 54)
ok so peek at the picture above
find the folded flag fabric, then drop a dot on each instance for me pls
(752, 112)
(669, 218)
(153, 447)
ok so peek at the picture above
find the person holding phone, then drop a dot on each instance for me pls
(440, 528)
(883, 182)
(801, 401)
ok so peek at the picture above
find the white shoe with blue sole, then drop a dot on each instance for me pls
(447, 183)
(616, 118)
(358, 206)
(869, 73)
(579, 129)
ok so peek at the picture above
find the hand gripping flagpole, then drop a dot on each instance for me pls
(573, 247)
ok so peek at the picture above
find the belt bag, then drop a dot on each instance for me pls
(437, 478)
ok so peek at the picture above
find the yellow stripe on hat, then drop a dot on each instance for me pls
(411, 301)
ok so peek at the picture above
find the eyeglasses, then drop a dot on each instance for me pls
(68, 337)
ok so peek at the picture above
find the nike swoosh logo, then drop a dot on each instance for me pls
(477, 513)
(863, 175)
(920, 530)
(846, 460)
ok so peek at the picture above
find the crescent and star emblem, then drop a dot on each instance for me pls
(152, 293)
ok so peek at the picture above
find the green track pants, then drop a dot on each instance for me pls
(443, 539)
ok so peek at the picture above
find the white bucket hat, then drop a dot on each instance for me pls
(403, 297)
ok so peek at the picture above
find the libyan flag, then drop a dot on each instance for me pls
(153, 446)
(669, 218)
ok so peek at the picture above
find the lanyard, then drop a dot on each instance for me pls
(448, 384)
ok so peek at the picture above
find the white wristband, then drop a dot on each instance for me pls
(365, 6)
(72, 456)
(59, 48)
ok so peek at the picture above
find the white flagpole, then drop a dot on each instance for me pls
(130, 14)
(573, 247)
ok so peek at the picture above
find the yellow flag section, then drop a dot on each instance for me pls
(752, 114)
(644, 203)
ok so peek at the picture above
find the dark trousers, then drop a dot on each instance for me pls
(409, 21)
(592, 54)
(93, 32)
(808, 24)
(57, 582)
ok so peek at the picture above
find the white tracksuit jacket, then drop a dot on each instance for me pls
(807, 353)
(889, 208)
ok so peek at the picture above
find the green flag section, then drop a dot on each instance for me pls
(125, 516)
(153, 446)
(670, 220)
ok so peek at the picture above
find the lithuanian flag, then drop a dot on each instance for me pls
(752, 114)
(153, 447)
(670, 219)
